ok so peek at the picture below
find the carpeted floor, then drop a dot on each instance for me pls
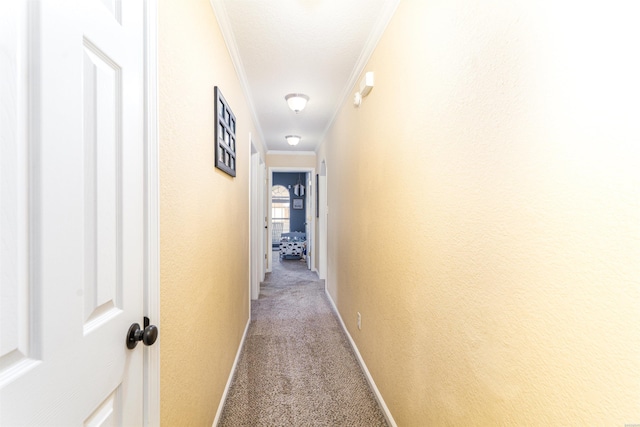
(297, 368)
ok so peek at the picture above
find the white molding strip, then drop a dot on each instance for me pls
(372, 384)
(216, 420)
(152, 211)
(372, 41)
(290, 153)
(220, 13)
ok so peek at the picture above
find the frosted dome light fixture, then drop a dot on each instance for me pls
(297, 101)
(293, 139)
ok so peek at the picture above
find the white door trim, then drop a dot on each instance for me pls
(323, 258)
(256, 223)
(253, 261)
(262, 221)
(312, 226)
(152, 208)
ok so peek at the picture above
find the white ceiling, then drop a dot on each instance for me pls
(315, 47)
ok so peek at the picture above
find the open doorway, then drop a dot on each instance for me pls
(292, 213)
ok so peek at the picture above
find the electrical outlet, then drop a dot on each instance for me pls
(359, 321)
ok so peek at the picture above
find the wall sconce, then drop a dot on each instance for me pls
(296, 101)
(365, 87)
(293, 139)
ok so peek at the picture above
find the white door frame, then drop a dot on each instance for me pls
(262, 194)
(152, 209)
(312, 226)
(309, 220)
(254, 288)
(256, 222)
(323, 258)
(265, 199)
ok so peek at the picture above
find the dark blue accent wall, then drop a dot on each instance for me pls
(288, 179)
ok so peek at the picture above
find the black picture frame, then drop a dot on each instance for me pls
(225, 135)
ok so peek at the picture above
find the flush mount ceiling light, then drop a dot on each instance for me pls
(293, 139)
(297, 101)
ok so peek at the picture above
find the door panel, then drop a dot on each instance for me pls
(108, 413)
(18, 333)
(74, 213)
(102, 217)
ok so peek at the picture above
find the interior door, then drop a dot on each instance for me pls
(309, 218)
(72, 212)
(266, 206)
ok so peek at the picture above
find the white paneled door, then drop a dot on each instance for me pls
(73, 214)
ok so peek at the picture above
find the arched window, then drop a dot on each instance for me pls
(280, 201)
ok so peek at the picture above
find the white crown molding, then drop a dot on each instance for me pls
(291, 153)
(372, 41)
(220, 13)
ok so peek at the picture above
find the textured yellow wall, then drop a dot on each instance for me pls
(490, 236)
(204, 216)
(291, 160)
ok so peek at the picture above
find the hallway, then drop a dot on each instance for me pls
(297, 367)
(481, 214)
(471, 203)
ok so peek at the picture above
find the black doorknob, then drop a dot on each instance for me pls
(148, 335)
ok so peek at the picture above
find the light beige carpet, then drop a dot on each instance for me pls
(296, 367)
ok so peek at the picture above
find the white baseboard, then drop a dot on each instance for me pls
(216, 420)
(372, 384)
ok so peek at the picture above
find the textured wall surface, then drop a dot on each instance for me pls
(204, 216)
(291, 160)
(491, 234)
